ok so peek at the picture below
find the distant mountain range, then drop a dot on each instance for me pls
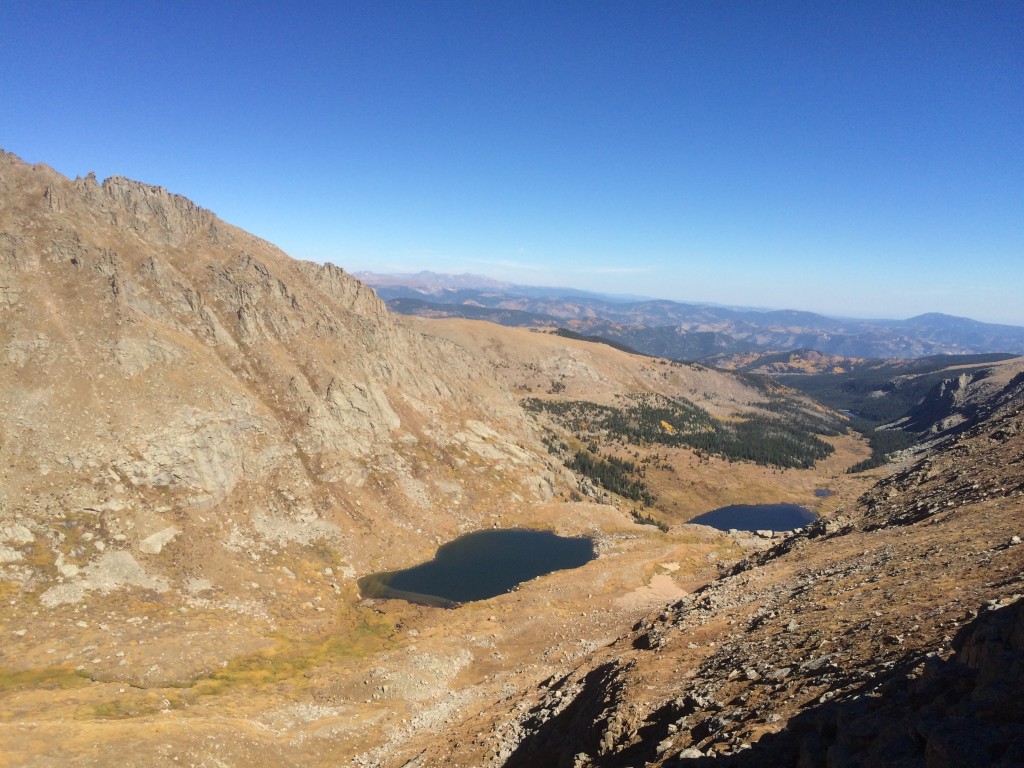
(688, 331)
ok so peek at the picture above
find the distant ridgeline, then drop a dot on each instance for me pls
(695, 331)
(567, 334)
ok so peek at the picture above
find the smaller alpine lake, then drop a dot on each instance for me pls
(480, 565)
(757, 517)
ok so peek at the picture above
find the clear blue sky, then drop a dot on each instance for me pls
(850, 158)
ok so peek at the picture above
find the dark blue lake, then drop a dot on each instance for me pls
(480, 565)
(757, 517)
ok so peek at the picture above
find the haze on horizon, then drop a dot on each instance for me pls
(472, 280)
(858, 160)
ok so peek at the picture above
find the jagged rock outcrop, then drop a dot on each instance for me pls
(961, 401)
(160, 363)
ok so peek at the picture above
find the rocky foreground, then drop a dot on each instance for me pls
(889, 634)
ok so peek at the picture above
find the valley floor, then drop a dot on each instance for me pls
(359, 682)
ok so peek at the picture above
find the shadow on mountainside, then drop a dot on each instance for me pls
(554, 742)
(964, 711)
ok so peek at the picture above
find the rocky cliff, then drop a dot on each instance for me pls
(962, 400)
(185, 410)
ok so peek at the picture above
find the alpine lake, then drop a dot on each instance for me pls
(489, 563)
(479, 566)
(757, 517)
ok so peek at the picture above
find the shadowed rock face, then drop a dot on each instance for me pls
(962, 711)
(965, 710)
(960, 402)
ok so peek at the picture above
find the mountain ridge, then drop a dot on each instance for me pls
(668, 328)
(168, 375)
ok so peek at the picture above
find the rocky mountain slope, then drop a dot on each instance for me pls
(615, 406)
(924, 396)
(157, 357)
(965, 398)
(187, 415)
(205, 442)
(891, 633)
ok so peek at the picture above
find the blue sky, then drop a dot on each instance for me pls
(858, 159)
